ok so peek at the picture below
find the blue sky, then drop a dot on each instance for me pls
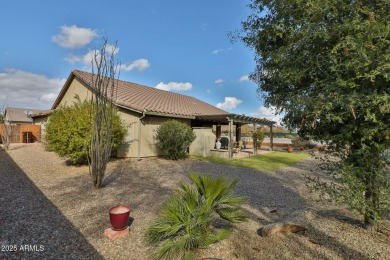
(179, 46)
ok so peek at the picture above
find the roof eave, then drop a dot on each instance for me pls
(236, 118)
(169, 115)
(63, 90)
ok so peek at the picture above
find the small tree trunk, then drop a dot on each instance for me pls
(371, 195)
(6, 136)
(104, 88)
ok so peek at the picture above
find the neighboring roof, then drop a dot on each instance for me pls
(42, 113)
(141, 99)
(20, 114)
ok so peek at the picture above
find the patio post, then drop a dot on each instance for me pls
(218, 131)
(230, 138)
(271, 138)
(238, 133)
(253, 140)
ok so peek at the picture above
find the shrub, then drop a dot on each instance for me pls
(186, 218)
(174, 138)
(258, 138)
(302, 142)
(289, 136)
(322, 148)
(68, 131)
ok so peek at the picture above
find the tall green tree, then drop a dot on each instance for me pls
(326, 65)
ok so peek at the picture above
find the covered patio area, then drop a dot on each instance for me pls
(234, 121)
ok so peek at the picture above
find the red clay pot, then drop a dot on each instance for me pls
(119, 216)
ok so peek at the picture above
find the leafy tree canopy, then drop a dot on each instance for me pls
(326, 64)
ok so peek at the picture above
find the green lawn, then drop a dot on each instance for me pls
(269, 162)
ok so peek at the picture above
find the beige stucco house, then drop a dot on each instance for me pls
(144, 109)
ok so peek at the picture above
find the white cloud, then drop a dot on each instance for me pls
(229, 103)
(244, 78)
(208, 91)
(73, 37)
(86, 59)
(178, 86)
(48, 97)
(218, 81)
(267, 113)
(140, 64)
(28, 90)
(217, 51)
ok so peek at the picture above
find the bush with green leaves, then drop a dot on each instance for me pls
(258, 138)
(174, 138)
(302, 142)
(68, 132)
(185, 220)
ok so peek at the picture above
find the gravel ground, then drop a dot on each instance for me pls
(50, 210)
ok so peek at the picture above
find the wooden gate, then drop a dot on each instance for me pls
(17, 132)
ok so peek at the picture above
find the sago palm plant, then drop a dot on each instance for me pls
(185, 219)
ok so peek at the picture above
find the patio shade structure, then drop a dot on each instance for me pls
(235, 119)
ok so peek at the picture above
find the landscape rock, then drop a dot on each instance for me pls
(280, 228)
(295, 222)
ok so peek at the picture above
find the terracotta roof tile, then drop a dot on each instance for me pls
(138, 97)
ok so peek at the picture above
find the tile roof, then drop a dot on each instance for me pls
(21, 114)
(140, 98)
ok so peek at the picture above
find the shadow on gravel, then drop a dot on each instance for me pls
(127, 182)
(265, 193)
(320, 238)
(271, 198)
(32, 227)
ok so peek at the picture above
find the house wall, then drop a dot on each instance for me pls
(204, 141)
(75, 88)
(151, 123)
(41, 121)
(131, 120)
(142, 144)
(136, 144)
